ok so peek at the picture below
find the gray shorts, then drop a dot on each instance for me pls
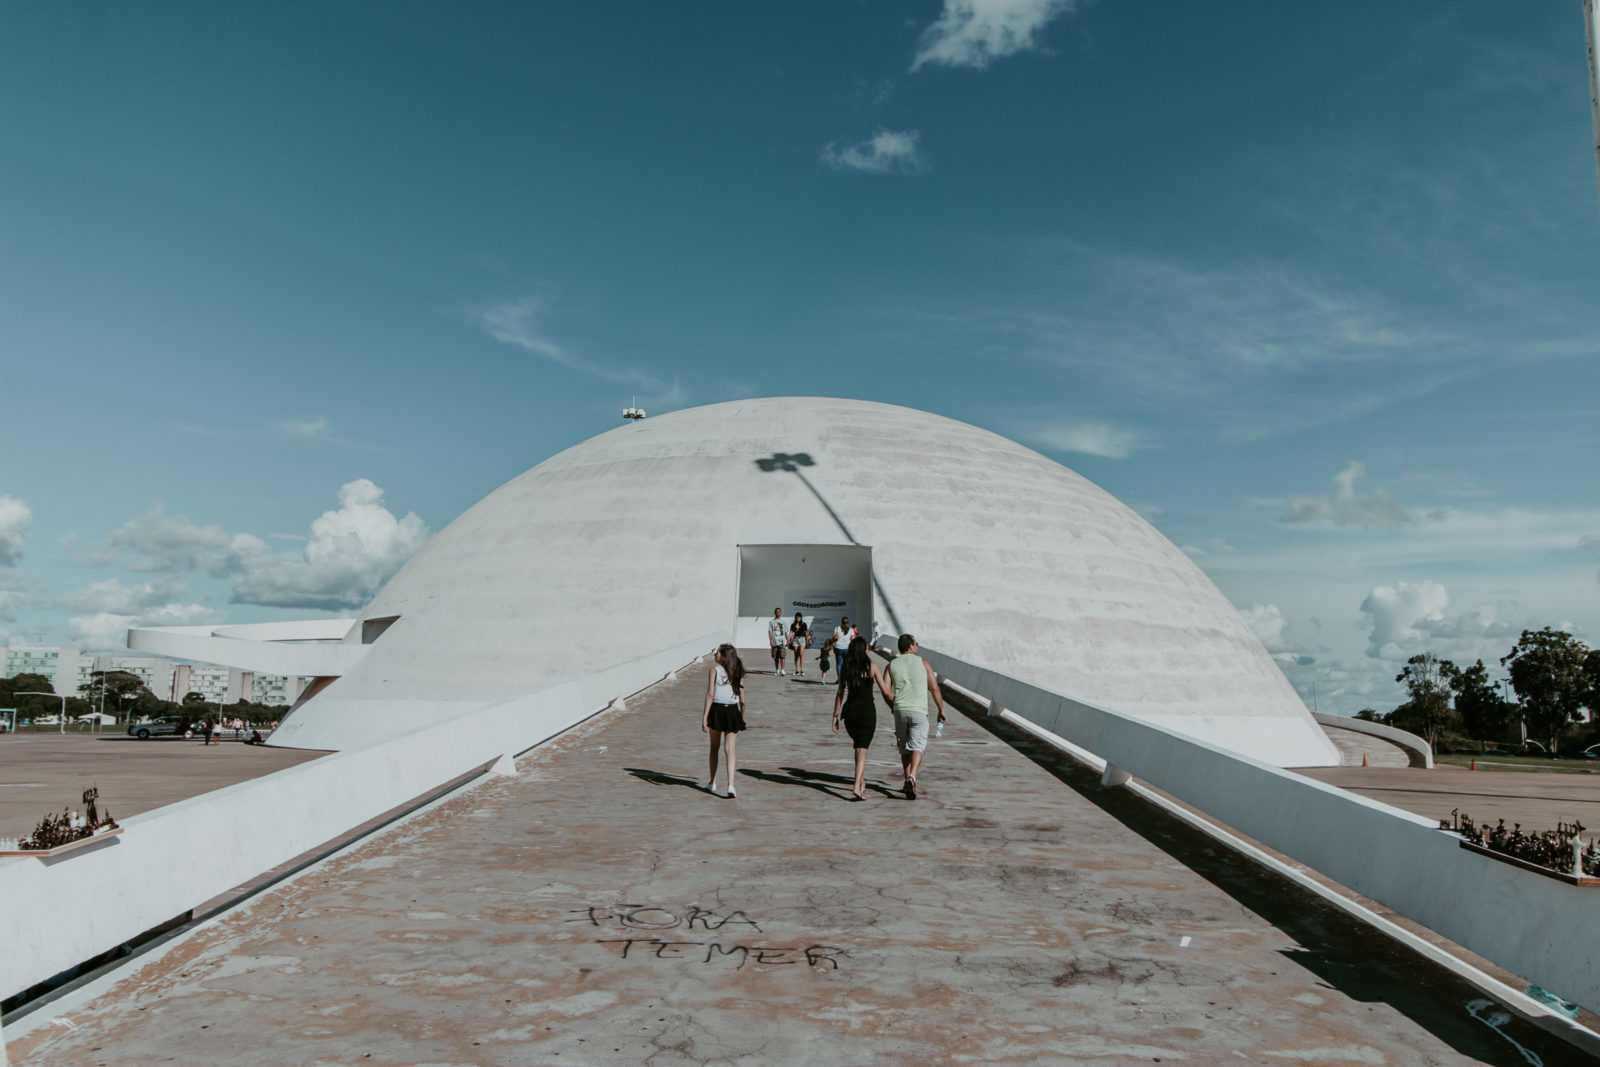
(911, 732)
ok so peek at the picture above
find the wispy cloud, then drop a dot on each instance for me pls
(1090, 437)
(1344, 506)
(519, 323)
(885, 152)
(307, 426)
(975, 33)
(1260, 348)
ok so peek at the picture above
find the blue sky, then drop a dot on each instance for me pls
(283, 290)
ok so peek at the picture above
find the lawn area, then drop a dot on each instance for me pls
(1496, 762)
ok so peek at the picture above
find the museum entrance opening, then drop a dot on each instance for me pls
(822, 582)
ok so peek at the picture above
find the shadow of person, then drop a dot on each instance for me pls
(661, 778)
(790, 779)
(844, 780)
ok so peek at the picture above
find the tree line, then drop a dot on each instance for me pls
(123, 694)
(1555, 677)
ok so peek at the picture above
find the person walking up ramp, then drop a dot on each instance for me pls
(913, 682)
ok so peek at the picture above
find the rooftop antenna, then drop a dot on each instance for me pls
(634, 413)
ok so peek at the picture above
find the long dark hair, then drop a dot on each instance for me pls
(729, 657)
(857, 664)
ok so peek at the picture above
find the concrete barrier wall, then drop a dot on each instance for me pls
(59, 914)
(1537, 927)
(1417, 749)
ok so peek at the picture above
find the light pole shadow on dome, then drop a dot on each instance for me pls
(791, 462)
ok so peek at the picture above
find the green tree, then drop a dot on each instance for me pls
(122, 690)
(1591, 684)
(30, 683)
(1369, 715)
(192, 699)
(1548, 671)
(1424, 677)
(1484, 714)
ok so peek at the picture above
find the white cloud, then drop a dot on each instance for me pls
(1266, 621)
(1398, 616)
(307, 426)
(1346, 507)
(519, 323)
(1088, 437)
(14, 519)
(974, 33)
(108, 629)
(161, 542)
(351, 552)
(10, 601)
(1406, 618)
(885, 152)
(115, 597)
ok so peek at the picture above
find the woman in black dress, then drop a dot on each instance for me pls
(723, 717)
(854, 705)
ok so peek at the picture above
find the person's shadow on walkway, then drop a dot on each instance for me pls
(662, 778)
(820, 776)
(814, 780)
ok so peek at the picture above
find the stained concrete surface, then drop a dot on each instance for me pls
(599, 908)
(1537, 800)
(43, 773)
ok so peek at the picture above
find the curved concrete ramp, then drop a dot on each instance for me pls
(1380, 744)
(598, 908)
(1356, 750)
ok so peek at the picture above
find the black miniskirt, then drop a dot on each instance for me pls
(726, 718)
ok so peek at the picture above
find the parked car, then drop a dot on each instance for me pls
(1592, 752)
(169, 725)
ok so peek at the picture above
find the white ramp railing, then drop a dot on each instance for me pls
(59, 914)
(1538, 927)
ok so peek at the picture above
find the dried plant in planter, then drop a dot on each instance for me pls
(54, 831)
(1546, 848)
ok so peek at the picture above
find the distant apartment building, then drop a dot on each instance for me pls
(71, 671)
(62, 665)
(277, 688)
(154, 673)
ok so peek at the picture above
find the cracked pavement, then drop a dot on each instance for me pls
(600, 909)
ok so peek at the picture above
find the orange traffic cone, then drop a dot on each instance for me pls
(1363, 759)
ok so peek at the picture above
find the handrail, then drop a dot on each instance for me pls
(1379, 851)
(171, 859)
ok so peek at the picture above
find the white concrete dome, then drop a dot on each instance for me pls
(985, 550)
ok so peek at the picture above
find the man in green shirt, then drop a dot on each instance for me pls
(913, 682)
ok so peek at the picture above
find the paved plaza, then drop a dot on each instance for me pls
(1536, 800)
(42, 773)
(600, 909)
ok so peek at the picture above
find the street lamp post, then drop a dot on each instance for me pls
(61, 723)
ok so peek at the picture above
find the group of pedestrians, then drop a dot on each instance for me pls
(908, 684)
(795, 635)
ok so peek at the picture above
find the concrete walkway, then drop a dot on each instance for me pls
(600, 909)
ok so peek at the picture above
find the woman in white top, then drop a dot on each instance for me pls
(723, 717)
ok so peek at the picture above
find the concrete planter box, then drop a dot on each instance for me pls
(1580, 881)
(62, 850)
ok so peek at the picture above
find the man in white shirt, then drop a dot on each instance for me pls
(843, 634)
(778, 638)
